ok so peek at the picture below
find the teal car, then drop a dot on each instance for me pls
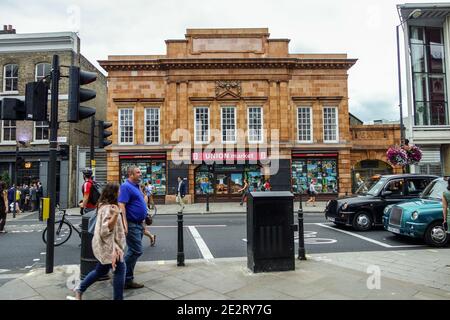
(420, 218)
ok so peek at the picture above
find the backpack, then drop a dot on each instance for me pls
(94, 193)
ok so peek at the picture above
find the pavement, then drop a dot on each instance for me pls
(393, 275)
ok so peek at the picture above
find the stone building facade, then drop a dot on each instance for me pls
(32, 55)
(239, 96)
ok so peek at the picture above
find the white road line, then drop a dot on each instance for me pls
(4, 270)
(196, 226)
(11, 276)
(36, 260)
(367, 239)
(201, 244)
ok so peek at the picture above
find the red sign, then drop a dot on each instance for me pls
(229, 156)
(312, 155)
(143, 156)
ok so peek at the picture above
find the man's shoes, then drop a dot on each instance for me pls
(133, 285)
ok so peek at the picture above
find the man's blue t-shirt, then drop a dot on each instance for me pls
(135, 206)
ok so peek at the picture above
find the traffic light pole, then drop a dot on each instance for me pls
(92, 152)
(51, 183)
(15, 181)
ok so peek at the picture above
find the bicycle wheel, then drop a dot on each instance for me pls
(63, 231)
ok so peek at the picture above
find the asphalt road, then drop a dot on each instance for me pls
(205, 236)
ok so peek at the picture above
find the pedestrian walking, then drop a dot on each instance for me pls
(181, 193)
(39, 193)
(87, 205)
(3, 206)
(147, 233)
(446, 205)
(33, 197)
(133, 207)
(149, 191)
(312, 192)
(108, 243)
(244, 191)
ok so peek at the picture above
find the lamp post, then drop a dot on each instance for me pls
(23, 143)
(413, 15)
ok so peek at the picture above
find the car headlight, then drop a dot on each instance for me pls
(344, 206)
(414, 215)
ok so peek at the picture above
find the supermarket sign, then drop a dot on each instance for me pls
(229, 156)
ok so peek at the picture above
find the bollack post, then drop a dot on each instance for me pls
(180, 253)
(301, 233)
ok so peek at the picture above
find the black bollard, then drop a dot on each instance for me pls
(180, 254)
(301, 234)
(207, 201)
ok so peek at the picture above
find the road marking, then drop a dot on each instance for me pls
(196, 226)
(4, 270)
(43, 253)
(201, 244)
(11, 276)
(36, 260)
(368, 239)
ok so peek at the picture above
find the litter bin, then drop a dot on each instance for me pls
(87, 258)
(270, 231)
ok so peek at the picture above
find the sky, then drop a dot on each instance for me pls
(363, 29)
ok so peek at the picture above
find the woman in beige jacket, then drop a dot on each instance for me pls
(108, 243)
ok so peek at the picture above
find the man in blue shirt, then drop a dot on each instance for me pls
(134, 208)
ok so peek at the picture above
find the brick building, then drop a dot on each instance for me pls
(25, 58)
(247, 95)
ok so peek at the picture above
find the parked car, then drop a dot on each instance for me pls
(420, 218)
(364, 211)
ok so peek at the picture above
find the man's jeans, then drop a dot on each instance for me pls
(134, 251)
(102, 270)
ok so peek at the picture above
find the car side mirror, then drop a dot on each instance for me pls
(386, 193)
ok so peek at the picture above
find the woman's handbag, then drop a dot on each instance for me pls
(148, 218)
(92, 222)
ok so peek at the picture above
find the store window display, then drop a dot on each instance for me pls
(323, 170)
(154, 171)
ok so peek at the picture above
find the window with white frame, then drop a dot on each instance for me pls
(10, 77)
(9, 131)
(304, 124)
(255, 122)
(229, 124)
(152, 125)
(42, 70)
(41, 131)
(201, 125)
(126, 126)
(330, 124)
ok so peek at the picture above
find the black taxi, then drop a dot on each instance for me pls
(365, 210)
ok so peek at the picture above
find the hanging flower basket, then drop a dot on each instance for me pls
(397, 156)
(414, 155)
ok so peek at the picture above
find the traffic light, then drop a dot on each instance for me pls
(77, 78)
(104, 134)
(20, 161)
(12, 109)
(36, 100)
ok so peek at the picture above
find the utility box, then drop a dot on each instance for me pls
(270, 231)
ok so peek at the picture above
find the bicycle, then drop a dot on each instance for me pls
(63, 230)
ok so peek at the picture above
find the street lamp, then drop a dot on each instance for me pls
(413, 15)
(18, 143)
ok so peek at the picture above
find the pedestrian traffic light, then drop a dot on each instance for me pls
(77, 78)
(12, 109)
(104, 134)
(36, 100)
(20, 161)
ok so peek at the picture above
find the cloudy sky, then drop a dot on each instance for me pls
(364, 29)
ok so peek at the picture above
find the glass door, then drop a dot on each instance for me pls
(221, 185)
(236, 183)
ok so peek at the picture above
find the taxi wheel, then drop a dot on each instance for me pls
(362, 221)
(435, 235)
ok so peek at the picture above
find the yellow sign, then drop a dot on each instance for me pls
(28, 165)
(93, 163)
(45, 208)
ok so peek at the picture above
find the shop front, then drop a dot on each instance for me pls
(153, 168)
(321, 167)
(222, 181)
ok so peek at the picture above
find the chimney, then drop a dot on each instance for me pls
(8, 29)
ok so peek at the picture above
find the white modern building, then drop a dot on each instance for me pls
(426, 30)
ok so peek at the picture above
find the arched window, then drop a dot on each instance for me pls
(10, 77)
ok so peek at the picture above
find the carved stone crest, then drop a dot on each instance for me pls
(231, 88)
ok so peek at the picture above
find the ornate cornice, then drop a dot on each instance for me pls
(268, 63)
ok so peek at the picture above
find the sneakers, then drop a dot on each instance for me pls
(133, 285)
